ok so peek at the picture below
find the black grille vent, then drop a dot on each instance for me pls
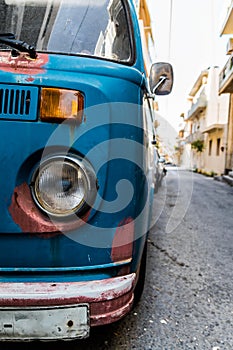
(18, 102)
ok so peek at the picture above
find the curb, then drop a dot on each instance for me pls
(228, 179)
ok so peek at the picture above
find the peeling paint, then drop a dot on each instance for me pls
(122, 245)
(25, 213)
(30, 79)
(113, 315)
(23, 63)
(109, 299)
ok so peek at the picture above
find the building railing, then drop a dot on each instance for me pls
(226, 77)
(194, 137)
(197, 107)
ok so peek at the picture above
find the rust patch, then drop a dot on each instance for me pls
(30, 219)
(23, 63)
(109, 299)
(122, 245)
(124, 270)
(30, 79)
(118, 309)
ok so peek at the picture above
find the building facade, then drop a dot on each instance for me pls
(205, 130)
(146, 33)
(226, 84)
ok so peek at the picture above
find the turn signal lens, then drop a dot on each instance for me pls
(57, 105)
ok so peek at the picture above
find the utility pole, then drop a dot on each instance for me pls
(170, 30)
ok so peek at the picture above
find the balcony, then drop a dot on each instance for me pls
(194, 137)
(197, 107)
(213, 128)
(227, 27)
(226, 77)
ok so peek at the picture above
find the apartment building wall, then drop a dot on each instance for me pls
(215, 130)
(226, 82)
(207, 123)
(229, 138)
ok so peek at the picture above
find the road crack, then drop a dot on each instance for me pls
(166, 253)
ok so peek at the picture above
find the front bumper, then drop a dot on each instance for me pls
(106, 301)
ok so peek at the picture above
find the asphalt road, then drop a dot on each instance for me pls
(187, 301)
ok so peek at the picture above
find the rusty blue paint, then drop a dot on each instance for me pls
(31, 255)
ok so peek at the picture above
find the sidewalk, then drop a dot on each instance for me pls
(226, 178)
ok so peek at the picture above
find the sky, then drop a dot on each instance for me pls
(191, 42)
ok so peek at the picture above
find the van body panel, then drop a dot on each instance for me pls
(76, 165)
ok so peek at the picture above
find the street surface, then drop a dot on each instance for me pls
(187, 301)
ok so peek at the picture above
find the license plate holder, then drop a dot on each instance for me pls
(44, 323)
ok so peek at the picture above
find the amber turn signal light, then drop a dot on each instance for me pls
(57, 105)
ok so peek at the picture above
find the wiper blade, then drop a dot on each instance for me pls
(9, 39)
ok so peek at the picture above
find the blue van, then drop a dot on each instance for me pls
(76, 136)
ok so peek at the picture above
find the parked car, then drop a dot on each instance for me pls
(160, 169)
(74, 134)
(169, 163)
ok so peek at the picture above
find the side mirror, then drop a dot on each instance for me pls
(161, 78)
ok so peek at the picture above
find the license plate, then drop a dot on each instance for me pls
(45, 323)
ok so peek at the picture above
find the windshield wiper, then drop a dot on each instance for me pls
(9, 39)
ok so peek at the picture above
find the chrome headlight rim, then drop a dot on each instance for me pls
(90, 181)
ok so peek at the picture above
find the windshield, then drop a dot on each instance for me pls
(87, 27)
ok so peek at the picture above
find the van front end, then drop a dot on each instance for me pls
(76, 165)
(68, 245)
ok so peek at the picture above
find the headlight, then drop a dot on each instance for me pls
(63, 185)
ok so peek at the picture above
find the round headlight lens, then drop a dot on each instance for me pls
(62, 185)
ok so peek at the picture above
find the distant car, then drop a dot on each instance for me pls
(160, 170)
(170, 164)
